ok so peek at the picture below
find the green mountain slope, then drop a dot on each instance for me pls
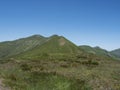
(36, 46)
(96, 50)
(87, 49)
(116, 52)
(53, 46)
(10, 48)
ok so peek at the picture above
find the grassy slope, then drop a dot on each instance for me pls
(116, 52)
(55, 46)
(10, 48)
(61, 74)
(96, 50)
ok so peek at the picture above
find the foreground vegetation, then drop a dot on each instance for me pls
(77, 73)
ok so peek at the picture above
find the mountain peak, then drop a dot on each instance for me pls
(36, 36)
(55, 35)
(97, 47)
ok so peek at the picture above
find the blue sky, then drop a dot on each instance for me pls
(85, 22)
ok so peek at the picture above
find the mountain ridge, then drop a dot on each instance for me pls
(51, 44)
(116, 52)
(14, 47)
(54, 46)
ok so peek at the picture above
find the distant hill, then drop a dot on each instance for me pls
(96, 50)
(37, 47)
(116, 52)
(10, 48)
(88, 49)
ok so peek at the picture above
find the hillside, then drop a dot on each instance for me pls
(96, 50)
(116, 52)
(54, 46)
(10, 48)
(55, 63)
(36, 46)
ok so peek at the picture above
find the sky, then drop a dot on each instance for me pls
(84, 22)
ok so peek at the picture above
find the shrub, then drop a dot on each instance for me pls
(95, 63)
(25, 67)
(12, 77)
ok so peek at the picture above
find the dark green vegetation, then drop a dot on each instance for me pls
(55, 63)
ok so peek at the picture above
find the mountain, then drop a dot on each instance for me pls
(87, 49)
(116, 52)
(101, 51)
(96, 50)
(57, 46)
(37, 47)
(10, 48)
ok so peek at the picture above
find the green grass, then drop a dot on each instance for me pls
(61, 75)
(25, 80)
